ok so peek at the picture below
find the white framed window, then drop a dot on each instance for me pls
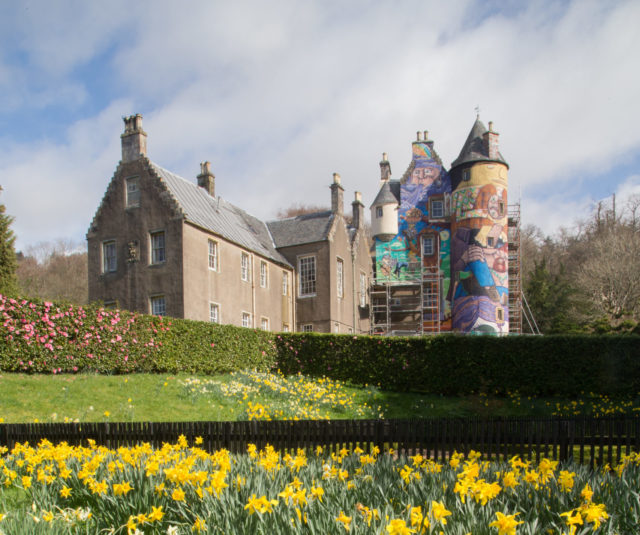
(428, 245)
(214, 312)
(132, 192)
(244, 267)
(436, 209)
(213, 255)
(109, 258)
(264, 323)
(264, 274)
(378, 211)
(285, 327)
(363, 289)
(158, 255)
(307, 275)
(158, 305)
(340, 276)
(307, 328)
(246, 319)
(285, 283)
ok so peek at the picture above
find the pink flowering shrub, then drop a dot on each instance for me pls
(43, 337)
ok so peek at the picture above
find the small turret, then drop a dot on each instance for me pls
(384, 210)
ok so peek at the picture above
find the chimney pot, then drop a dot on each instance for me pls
(384, 157)
(490, 126)
(418, 134)
(426, 135)
(336, 178)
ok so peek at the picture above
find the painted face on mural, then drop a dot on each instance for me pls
(425, 176)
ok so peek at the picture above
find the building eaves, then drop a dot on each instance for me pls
(305, 228)
(219, 216)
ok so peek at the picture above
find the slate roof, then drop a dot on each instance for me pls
(219, 216)
(473, 149)
(306, 228)
(389, 193)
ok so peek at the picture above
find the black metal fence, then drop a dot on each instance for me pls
(585, 440)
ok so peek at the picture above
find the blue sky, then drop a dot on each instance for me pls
(279, 95)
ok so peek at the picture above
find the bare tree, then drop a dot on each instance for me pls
(297, 209)
(55, 271)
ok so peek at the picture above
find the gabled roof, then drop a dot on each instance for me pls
(473, 149)
(219, 216)
(305, 228)
(389, 193)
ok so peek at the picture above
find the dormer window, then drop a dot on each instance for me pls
(132, 192)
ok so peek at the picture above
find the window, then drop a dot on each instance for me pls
(244, 267)
(499, 314)
(340, 277)
(132, 192)
(109, 259)
(213, 255)
(158, 305)
(285, 327)
(214, 313)
(378, 211)
(336, 327)
(246, 319)
(490, 241)
(264, 274)
(363, 289)
(501, 208)
(307, 274)
(436, 209)
(428, 245)
(157, 247)
(285, 283)
(307, 328)
(264, 324)
(111, 304)
(466, 174)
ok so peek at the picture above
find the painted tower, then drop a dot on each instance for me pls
(441, 241)
(479, 244)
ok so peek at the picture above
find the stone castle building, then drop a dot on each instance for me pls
(164, 245)
(446, 252)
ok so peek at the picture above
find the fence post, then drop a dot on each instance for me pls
(563, 440)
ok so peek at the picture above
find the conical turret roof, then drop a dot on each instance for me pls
(474, 149)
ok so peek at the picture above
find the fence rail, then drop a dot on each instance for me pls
(592, 440)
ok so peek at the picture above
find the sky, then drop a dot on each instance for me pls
(279, 95)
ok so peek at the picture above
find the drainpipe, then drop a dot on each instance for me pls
(253, 294)
(354, 292)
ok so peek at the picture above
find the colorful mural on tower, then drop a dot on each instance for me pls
(479, 251)
(424, 228)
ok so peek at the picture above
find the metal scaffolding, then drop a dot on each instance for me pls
(515, 264)
(409, 304)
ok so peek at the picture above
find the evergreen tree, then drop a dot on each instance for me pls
(8, 261)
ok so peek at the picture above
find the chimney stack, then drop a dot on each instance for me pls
(490, 143)
(358, 211)
(337, 191)
(134, 139)
(206, 179)
(385, 168)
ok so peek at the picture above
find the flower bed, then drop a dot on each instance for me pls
(182, 489)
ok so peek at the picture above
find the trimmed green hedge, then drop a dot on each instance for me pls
(455, 364)
(42, 337)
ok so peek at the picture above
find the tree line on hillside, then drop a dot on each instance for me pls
(586, 279)
(583, 279)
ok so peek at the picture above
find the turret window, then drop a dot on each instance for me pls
(378, 211)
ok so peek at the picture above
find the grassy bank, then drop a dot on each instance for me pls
(250, 395)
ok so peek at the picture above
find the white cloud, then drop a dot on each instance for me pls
(280, 95)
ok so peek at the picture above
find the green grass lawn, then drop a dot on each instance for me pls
(146, 397)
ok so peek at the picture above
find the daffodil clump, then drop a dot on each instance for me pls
(274, 396)
(181, 489)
